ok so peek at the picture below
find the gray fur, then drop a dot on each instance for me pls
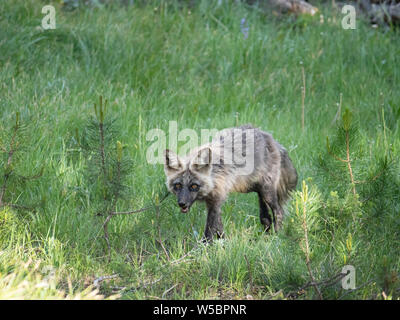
(207, 170)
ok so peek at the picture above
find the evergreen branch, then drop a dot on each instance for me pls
(371, 179)
(306, 248)
(333, 175)
(336, 157)
(307, 254)
(102, 153)
(324, 283)
(36, 176)
(331, 153)
(355, 289)
(349, 163)
(346, 127)
(114, 213)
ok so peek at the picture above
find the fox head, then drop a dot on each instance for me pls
(189, 178)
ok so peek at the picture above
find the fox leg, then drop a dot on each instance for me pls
(214, 222)
(265, 217)
(270, 196)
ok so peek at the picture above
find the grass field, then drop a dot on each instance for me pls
(168, 62)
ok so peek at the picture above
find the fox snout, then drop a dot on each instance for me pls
(184, 201)
(184, 207)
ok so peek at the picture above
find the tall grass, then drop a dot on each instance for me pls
(166, 61)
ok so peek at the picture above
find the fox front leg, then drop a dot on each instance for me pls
(265, 217)
(269, 198)
(277, 212)
(214, 221)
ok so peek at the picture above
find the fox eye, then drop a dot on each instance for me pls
(194, 187)
(177, 186)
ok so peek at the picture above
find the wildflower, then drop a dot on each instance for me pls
(244, 28)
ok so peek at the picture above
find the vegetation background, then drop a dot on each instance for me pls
(204, 64)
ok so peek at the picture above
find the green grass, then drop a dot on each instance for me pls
(162, 62)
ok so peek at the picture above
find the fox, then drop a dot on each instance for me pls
(211, 172)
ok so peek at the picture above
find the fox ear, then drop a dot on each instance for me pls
(172, 162)
(202, 162)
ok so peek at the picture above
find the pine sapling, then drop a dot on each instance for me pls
(305, 211)
(12, 151)
(346, 126)
(108, 167)
(366, 167)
